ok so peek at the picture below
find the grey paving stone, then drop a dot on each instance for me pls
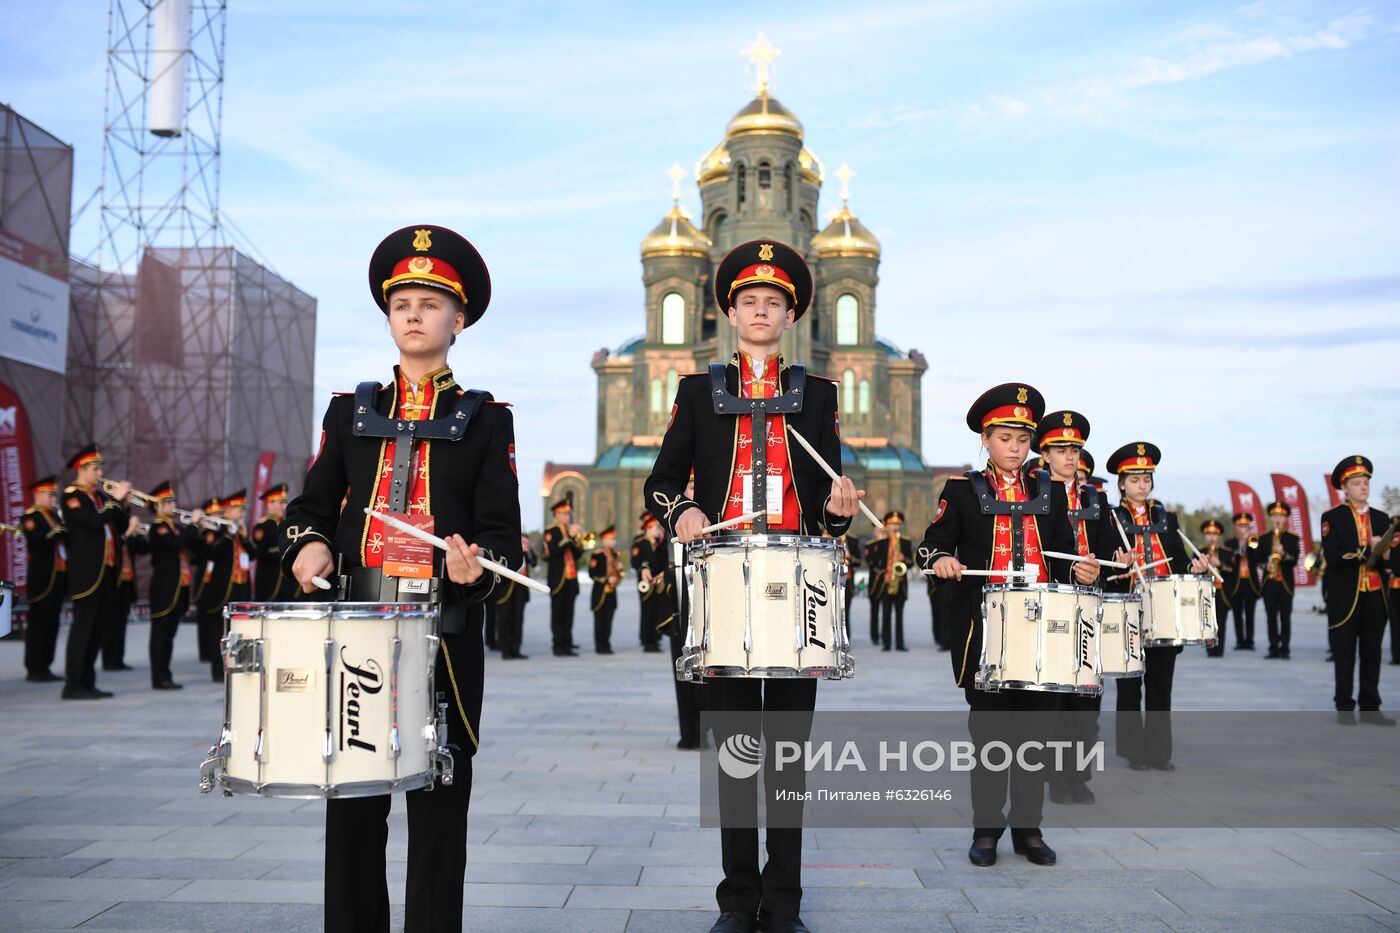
(1058, 922)
(1277, 923)
(214, 918)
(90, 831)
(58, 915)
(179, 868)
(235, 891)
(40, 848)
(89, 889)
(500, 852)
(1075, 900)
(47, 867)
(1222, 901)
(158, 848)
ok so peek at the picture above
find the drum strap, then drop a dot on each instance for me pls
(989, 504)
(1091, 506)
(758, 410)
(1157, 525)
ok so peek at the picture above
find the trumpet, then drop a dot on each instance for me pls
(208, 522)
(135, 495)
(587, 541)
(11, 529)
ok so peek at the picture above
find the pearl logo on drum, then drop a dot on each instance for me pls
(355, 683)
(294, 679)
(815, 598)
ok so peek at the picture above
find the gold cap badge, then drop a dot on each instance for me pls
(1142, 449)
(1069, 419)
(420, 265)
(765, 252)
(763, 272)
(422, 240)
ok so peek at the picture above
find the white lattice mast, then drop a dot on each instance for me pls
(162, 129)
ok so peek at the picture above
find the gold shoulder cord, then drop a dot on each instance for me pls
(461, 711)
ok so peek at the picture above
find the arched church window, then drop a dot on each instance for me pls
(673, 379)
(848, 319)
(658, 402)
(848, 390)
(716, 225)
(673, 318)
(864, 399)
(765, 175)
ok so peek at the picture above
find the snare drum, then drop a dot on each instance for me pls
(1179, 610)
(1040, 636)
(7, 607)
(765, 606)
(328, 700)
(1120, 635)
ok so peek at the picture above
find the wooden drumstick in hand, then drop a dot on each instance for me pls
(835, 477)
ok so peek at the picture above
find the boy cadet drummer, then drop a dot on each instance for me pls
(766, 287)
(431, 284)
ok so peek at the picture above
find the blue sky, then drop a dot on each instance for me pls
(1181, 219)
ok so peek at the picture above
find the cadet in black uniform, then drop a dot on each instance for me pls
(270, 583)
(605, 570)
(1278, 548)
(649, 561)
(45, 578)
(562, 553)
(1223, 560)
(1153, 534)
(1242, 586)
(873, 591)
(458, 467)
(766, 287)
(510, 606)
(1354, 539)
(226, 576)
(94, 522)
(895, 550)
(213, 509)
(975, 528)
(851, 544)
(171, 546)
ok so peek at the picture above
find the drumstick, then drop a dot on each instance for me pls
(1127, 547)
(1077, 558)
(1155, 563)
(835, 477)
(321, 583)
(491, 565)
(729, 523)
(990, 573)
(1197, 551)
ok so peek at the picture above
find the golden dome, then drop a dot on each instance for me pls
(766, 116)
(846, 236)
(812, 168)
(676, 236)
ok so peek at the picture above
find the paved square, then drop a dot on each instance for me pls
(584, 814)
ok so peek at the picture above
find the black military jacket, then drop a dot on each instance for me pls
(698, 437)
(44, 534)
(86, 521)
(219, 561)
(557, 543)
(270, 582)
(166, 540)
(1251, 556)
(1346, 556)
(877, 559)
(1287, 562)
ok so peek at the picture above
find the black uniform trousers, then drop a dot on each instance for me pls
(114, 635)
(1395, 622)
(603, 621)
(1278, 614)
(737, 706)
(875, 600)
(162, 639)
(988, 721)
(511, 621)
(90, 614)
(357, 831)
(489, 630)
(1361, 634)
(1244, 616)
(1222, 618)
(1147, 737)
(561, 615)
(41, 635)
(654, 612)
(1078, 722)
(892, 606)
(940, 603)
(688, 694)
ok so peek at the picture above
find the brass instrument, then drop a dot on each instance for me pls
(1253, 542)
(614, 570)
(11, 529)
(644, 587)
(586, 542)
(135, 495)
(895, 575)
(1380, 550)
(1312, 562)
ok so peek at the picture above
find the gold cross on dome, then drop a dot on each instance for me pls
(761, 53)
(676, 173)
(845, 173)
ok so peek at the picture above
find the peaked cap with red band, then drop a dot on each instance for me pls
(1013, 404)
(89, 454)
(764, 262)
(1062, 427)
(435, 257)
(1137, 457)
(236, 500)
(1355, 465)
(165, 490)
(44, 484)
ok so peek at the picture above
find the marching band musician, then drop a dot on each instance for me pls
(44, 540)
(605, 570)
(1222, 559)
(851, 545)
(454, 475)
(171, 546)
(1242, 586)
(873, 590)
(561, 554)
(1282, 548)
(226, 576)
(975, 527)
(94, 521)
(510, 606)
(895, 550)
(212, 508)
(1153, 534)
(649, 564)
(1354, 535)
(270, 583)
(766, 287)
(1060, 437)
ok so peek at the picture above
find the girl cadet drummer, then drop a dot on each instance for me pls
(975, 529)
(1153, 534)
(431, 284)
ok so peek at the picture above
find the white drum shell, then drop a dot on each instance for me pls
(1179, 610)
(1040, 636)
(7, 607)
(1120, 636)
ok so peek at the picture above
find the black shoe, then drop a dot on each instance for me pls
(943, 648)
(1271, 656)
(603, 650)
(1060, 793)
(565, 653)
(983, 856)
(652, 649)
(217, 678)
(1249, 646)
(573, 647)
(43, 677)
(1328, 659)
(1239, 646)
(167, 685)
(775, 924)
(1395, 662)
(1374, 717)
(1283, 656)
(1082, 793)
(83, 693)
(1164, 766)
(1138, 765)
(1346, 717)
(118, 667)
(732, 922)
(517, 656)
(886, 648)
(1039, 854)
(900, 648)
(1215, 653)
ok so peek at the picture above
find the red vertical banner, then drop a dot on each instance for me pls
(1290, 492)
(1334, 495)
(16, 476)
(1243, 498)
(262, 478)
